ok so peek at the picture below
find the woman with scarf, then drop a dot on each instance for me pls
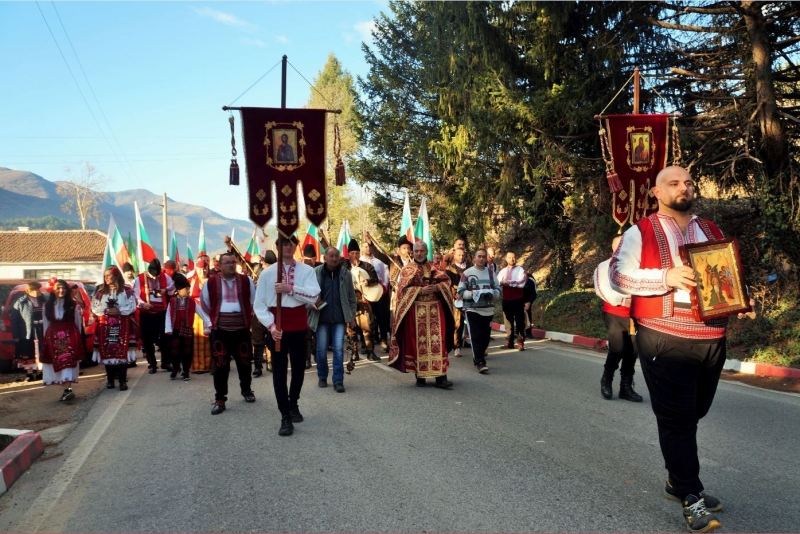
(62, 344)
(115, 343)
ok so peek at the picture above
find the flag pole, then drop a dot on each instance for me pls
(280, 236)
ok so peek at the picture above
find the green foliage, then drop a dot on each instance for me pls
(575, 311)
(49, 222)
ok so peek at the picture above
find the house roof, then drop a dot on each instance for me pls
(40, 246)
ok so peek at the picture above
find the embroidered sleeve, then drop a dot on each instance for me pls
(306, 287)
(517, 277)
(205, 301)
(170, 285)
(261, 304)
(602, 286)
(98, 304)
(126, 303)
(137, 290)
(627, 277)
(204, 317)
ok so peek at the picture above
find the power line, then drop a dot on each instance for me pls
(114, 136)
(79, 87)
(101, 137)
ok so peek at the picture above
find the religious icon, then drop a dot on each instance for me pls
(641, 148)
(284, 142)
(720, 290)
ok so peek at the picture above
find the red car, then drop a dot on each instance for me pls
(14, 289)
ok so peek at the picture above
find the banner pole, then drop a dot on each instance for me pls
(635, 90)
(280, 237)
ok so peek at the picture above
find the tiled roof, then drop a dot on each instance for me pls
(34, 246)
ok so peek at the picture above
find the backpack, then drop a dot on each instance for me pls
(530, 292)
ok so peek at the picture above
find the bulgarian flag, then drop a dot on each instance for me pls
(406, 229)
(189, 257)
(115, 247)
(132, 252)
(201, 244)
(108, 258)
(344, 239)
(312, 238)
(144, 251)
(173, 251)
(422, 231)
(252, 247)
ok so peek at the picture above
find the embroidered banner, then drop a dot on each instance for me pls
(285, 147)
(638, 146)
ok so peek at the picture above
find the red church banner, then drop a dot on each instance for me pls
(285, 147)
(638, 147)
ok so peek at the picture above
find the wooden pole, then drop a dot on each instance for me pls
(280, 237)
(636, 91)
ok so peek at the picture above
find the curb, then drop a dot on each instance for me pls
(18, 456)
(748, 368)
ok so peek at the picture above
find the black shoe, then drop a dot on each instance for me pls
(123, 386)
(339, 387)
(606, 389)
(186, 377)
(219, 407)
(152, 370)
(110, 385)
(31, 378)
(131, 365)
(308, 364)
(482, 369)
(287, 428)
(174, 374)
(712, 503)
(509, 344)
(67, 395)
(249, 396)
(420, 382)
(166, 368)
(443, 383)
(258, 372)
(373, 357)
(295, 415)
(626, 389)
(323, 382)
(697, 517)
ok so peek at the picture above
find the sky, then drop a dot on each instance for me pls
(158, 75)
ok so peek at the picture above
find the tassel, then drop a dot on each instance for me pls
(339, 171)
(234, 179)
(614, 182)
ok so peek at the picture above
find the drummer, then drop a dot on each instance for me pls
(366, 325)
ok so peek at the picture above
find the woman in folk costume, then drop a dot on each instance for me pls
(26, 329)
(201, 358)
(62, 344)
(115, 341)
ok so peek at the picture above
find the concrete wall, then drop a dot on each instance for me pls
(83, 271)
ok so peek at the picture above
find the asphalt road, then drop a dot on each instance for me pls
(530, 447)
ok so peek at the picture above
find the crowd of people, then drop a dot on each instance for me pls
(289, 313)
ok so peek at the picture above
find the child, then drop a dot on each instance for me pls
(180, 318)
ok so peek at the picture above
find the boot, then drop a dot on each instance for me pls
(521, 342)
(606, 389)
(443, 383)
(626, 389)
(287, 428)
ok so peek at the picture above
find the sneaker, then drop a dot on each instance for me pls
(698, 518)
(482, 369)
(219, 407)
(458, 352)
(295, 415)
(712, 503)
(173, 374)
(323, 382)
(339, 387)
(185, 377)
(152, 370)
(287, 428)
(249, 396)
(67, 395)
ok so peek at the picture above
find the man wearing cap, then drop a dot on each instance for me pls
(153, 290)
(228, 302)
(298, 288)
(365, 324)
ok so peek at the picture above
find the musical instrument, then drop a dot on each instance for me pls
(360, 280)
(373, 242)
(233, 248)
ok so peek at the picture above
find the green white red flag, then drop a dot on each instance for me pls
(344, 239)
(144, 250)
(132, 252)
(252, 247)
(201, 244)
(406, 227)
(312, 238)
(174, 254)
(116, 249)
(422, 231)
(189, 256)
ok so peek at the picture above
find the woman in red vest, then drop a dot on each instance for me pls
(62, 346)
(115, 341)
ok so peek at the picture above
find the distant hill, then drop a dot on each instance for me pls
(25, 195)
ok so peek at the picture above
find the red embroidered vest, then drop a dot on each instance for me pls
(162, 283)
(656, 255)
(215, 298)
(188, 315)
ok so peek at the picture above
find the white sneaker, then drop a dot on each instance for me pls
(458, 353)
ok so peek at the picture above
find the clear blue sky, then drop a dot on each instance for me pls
(161, 73)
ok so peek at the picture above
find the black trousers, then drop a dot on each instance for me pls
(119, 371)
(514, 315)
(480, 330)
(293, 348)
(227, 345)
(152, 328)
(182, 352)
(682, 378)
(620, 345)
(258, 338)
(383, 315)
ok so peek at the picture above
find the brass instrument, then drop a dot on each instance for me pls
(233, 248)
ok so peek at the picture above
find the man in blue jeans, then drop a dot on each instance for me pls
(329, 316)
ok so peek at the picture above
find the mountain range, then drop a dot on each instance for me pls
(25, 194)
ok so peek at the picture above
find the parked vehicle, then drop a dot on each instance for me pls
(11, 290)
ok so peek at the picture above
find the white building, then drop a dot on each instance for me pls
(42, 254)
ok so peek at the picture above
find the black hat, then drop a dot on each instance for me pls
(155, 267)
(127, 267)
(352, 246)
(269, 257)
(293, 239)
(404, 241)
(309, 251)
(180, 281)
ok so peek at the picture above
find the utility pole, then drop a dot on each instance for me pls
(164, 226)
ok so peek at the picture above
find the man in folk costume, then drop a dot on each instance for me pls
(381, 308)
(681, 358)
(258, 332)
(512, 279)
(422, 331)
(299, 287)
(616, 313)
(202, 362)
(153, 290)
(228, 303)
(365, 324)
